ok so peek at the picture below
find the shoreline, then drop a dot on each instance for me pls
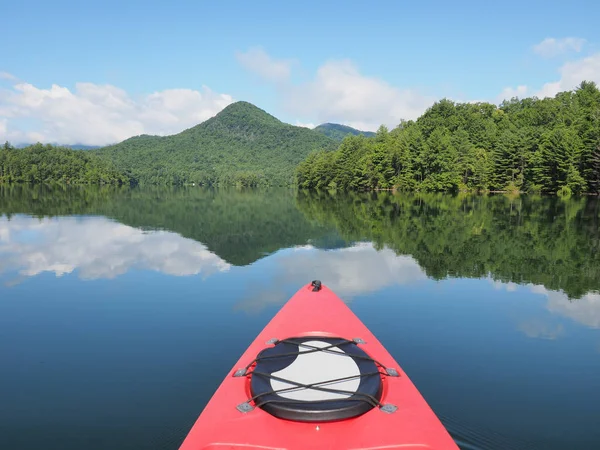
(288, 186)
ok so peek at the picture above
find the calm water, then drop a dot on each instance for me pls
(122, 310)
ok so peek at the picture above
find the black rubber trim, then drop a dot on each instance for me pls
(284, 353)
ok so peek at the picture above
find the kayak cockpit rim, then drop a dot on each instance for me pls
(316, 377)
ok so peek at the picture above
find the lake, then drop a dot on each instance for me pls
(121, 310)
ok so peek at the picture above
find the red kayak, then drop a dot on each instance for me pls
(317, 378)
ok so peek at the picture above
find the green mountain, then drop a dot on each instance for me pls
(241, 145)
(339, 132)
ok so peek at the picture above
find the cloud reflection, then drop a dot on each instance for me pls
(539, 328)
(97, 248)
(362, 269)
(353, 270)
(584, 310)
(348, 272)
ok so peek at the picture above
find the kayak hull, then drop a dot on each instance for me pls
(413, 425)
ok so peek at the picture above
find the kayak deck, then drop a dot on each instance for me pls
(317, 378)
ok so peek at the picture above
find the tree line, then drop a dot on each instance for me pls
(549, 145)
(40, 163)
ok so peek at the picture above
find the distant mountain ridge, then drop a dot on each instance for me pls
(241, 145)
(339, 132)
(83, 147)
(55, 144)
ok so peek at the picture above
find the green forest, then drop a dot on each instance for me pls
(549, 145)
(49, 164)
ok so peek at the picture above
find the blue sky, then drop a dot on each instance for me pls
(125, 68)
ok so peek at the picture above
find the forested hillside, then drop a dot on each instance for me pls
(549, 145)
(339, 132)
(46, 163)
(241, 145)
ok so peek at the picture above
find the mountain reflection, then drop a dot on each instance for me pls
(241, 226)
(356, 243)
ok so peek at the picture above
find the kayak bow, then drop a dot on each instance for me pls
(317, 378)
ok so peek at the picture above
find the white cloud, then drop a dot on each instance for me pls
(340, 93)
(98, 248)
(7, 76)
(305, 125)
(258, 61)
(572, 74)
(510, 92)
(101, 114)
(551, 47)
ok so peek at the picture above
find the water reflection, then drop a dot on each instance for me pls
(584, 310)
(362, 269)
(239, 226)
(543, 241)
(351, 271)
(490, 304)
(97, 247)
